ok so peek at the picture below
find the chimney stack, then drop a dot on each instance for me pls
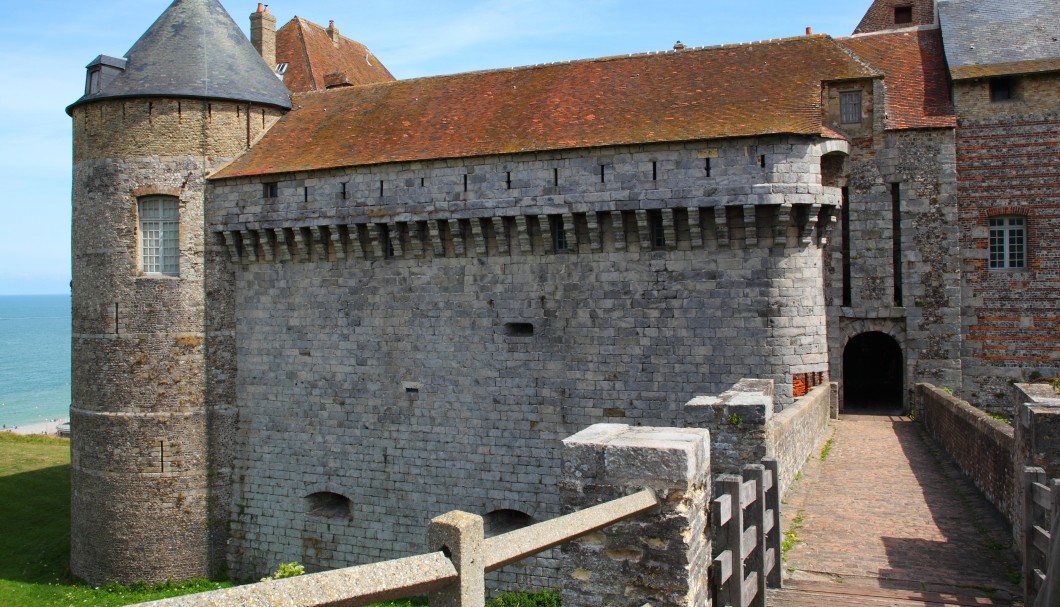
(333, 32)
(263, 34)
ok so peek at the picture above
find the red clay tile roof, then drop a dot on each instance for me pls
(914, 68)
(695, 94)
(310, 54)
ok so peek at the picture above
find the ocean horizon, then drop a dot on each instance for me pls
(34, 358)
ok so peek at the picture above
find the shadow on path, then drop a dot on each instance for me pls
(887, 514)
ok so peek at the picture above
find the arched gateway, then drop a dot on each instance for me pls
(872, 371)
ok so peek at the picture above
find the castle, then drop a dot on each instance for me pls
(314, 306)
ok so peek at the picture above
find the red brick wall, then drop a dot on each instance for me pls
(1008, 164)
(982, 446)
(880, 15)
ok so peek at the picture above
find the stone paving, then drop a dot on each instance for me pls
(887, 519)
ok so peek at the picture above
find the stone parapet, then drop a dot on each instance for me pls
(737, 420)
(981, 445)
(660, 558)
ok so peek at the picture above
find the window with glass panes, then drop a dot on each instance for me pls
(159, 253)
(1008, 243)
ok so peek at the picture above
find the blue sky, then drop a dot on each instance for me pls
(45, 45)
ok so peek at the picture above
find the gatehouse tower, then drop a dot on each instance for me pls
(191, 94)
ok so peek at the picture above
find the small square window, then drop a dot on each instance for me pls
(270, 190)
(850, 107)
(903, 14)
(1008, 243)
(1002, 89)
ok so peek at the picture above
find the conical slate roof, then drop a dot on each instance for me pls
(196, 50)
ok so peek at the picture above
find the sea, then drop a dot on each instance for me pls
(34, 358)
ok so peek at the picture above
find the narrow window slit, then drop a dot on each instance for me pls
(707, 167)
(654, 170)
(465, 182)
(603, 173)
(380, 188)
(762, 161)
(509, 180)
(555, 177)
(305, 194)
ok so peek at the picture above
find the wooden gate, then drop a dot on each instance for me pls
(746, 523)
(1041, 504)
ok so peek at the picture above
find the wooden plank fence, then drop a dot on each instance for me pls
(746, 521)
(1041, 506)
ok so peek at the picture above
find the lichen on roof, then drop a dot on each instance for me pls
(695, 94)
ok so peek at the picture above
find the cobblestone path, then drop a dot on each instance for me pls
(886, 518)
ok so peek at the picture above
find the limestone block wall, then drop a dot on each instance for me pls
(658, 558)
(738, 420)
(139, 453)
(1008, 158)
(744, 428)
(799, 430)
(427, 352)
(916, 301)
(1037, 439)
(983, 447)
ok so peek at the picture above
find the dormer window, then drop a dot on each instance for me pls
(1002, 89)
(903, 14)
(101, 71)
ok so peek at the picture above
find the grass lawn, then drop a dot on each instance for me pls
(35, 532)
(35, 538)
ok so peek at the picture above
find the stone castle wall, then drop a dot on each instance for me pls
(139, 455)
(427, 351)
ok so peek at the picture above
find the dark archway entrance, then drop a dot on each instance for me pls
(873, 369)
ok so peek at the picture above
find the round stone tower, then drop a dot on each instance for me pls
(190, 95)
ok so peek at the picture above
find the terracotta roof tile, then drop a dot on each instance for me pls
(914, 67)
(695, 94)
(310, 54)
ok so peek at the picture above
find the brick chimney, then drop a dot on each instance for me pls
(333, 32)
(263, 34)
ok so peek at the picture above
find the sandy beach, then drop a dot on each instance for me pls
(50, 428)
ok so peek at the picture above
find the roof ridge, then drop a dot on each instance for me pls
(904, 30)
(606, 58)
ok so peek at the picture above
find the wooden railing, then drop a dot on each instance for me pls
(747, 542)
(452, 576)
(1041, 506)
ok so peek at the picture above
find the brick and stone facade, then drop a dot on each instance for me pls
(1007, 159)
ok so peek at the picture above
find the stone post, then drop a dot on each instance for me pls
(1037, 437)
(460, 535)
(661, 558)
(737, 421)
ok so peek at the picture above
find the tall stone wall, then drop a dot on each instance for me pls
(139, 452)
(428, 352)
(916, 302)
(1008, 159)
